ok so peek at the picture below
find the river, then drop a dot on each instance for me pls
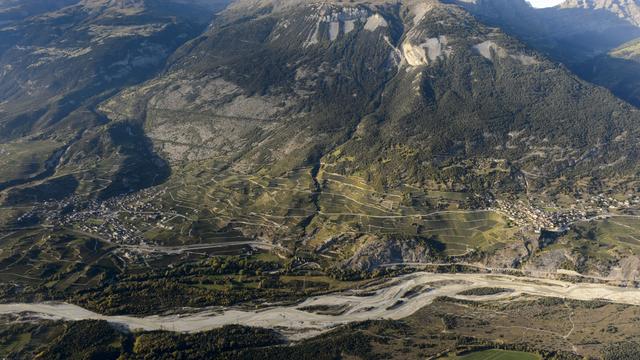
(395, 298)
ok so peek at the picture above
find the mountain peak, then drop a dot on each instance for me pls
(280, 4)
(626, 9)
(119, 4)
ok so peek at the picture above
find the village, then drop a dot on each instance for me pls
(125, 219)
(548, 217)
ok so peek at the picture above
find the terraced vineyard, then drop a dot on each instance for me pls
(227, 207)
(621, 231)
(63, 261)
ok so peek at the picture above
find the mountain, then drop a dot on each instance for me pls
(583, 35)
(350, 134)
(344, 128)
(53, 61)
(403, 51)
(616, 70)
(58, 65)
(298, 122)
(163, 155)
(586, 28)
(628, 10)
(12, 10)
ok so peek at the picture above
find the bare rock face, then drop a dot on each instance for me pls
(549, 261)
(375, 252)
(511, 256)
(627, 269)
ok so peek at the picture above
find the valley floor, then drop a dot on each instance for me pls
(395, 299)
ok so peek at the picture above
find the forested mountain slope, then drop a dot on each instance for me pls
(584, 35)
(56, 66)
(303, 122)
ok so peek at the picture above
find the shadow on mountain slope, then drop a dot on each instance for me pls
(580, 38)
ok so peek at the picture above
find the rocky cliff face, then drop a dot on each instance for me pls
(377, 252)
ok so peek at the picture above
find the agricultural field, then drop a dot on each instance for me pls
(21, 160)
(620, 231)
(64, 261)
(604, 240)
(497, 355)
(320, 207)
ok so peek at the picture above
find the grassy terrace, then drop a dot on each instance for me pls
(22, 160)
(605, 240)
(619, 230)
(277, 207)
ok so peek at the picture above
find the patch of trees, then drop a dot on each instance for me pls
(82, 340)
(484, 291)
(206, 345)
(330, 346)
(222, 281)
(622, 351)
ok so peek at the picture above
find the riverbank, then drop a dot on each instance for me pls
(394, 299)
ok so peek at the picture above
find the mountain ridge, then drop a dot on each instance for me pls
(626, 9)
(584, 38)
(389, 108)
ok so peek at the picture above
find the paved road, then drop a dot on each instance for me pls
(185, 248)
